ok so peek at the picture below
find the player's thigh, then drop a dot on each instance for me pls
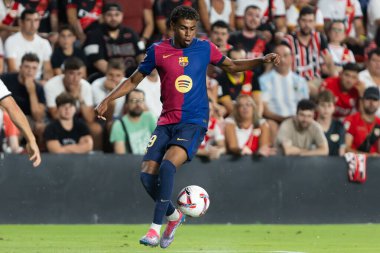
(187, 138)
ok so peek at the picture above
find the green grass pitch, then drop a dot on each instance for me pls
(363, 238)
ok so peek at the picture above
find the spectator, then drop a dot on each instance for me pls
(351, 12)
(132, 132)
(248, 38)
(102, 86)
(151, 86)
(71, 81)
(9, 135)
(333, 129)
(212, 11)
(48, 11)
(67, 135)
(28, 41)
(302, 135)
(219, 35)
(309, 50)
(28, 94)
(65, 49)
(213, 145)
(82, 15)
(373, 21)
(138, 15)
(292, 15)
(112, 40)
(363, 128)
(345, 89)
(340, 53)
(245, 134)
(9, 12)
(282, 89)
(271, 11)
(231, 85)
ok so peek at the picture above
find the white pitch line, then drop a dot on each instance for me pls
(229, 251)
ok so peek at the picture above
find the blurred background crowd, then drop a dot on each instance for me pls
(61, 58)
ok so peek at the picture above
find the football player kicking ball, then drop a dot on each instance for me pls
(181, 63)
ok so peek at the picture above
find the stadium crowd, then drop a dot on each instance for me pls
(61, 58)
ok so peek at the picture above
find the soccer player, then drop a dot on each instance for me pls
(181, 63)
(19, 119)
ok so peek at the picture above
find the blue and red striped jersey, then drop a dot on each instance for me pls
(183, 79)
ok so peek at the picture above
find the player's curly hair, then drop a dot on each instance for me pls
(183, 12)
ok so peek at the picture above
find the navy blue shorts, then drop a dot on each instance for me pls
(187, 136)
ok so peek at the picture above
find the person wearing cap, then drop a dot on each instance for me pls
(67, 135)
(112, 40)
(363, 128)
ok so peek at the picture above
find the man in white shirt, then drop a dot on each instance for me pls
(28, 41)
(19, 119)
(72, 82)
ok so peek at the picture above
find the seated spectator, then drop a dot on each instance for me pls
(333, 129)
(231, 85)
(345, 89)
(102, 86)
(219, 35)
(363, 128)
(71, 81)
(212, 11)
(245, 134)
(292, 15)
(28, 94)
(28, 41)
(281, 90)
(213, 145)
(131, 133)
(302, 135)
(151, 86)
(341, 54)
(311, 58)
(67, 134)
(9, 134)
(110, 41)
(371, 76)
(65, 49)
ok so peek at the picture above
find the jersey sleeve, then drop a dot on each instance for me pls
(216, 57)
(149, 62)
(358, 9)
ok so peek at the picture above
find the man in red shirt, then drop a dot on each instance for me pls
(363, 128)
(345, 88)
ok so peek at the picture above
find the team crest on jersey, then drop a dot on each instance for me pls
(183, 83)
(183, 61)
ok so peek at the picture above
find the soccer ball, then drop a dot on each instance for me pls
(193, 201)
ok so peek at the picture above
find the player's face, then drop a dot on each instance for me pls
(307, 24)
(370, 106)
(113, 19)
(252, 19)
(326, 109)
(184, 32)
(219, 36)
(348, 79)
(66, 111)
(66, 39)
(28, 69)
(374, 64)
(31, 24)
(305, 118)
(136, 104)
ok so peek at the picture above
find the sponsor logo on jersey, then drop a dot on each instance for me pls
(183, 83)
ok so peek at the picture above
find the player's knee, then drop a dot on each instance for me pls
(150, 167)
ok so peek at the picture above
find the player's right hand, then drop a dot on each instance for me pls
(34, 153)
(100, 109)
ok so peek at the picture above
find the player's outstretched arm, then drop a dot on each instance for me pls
(233, 66)
(19, 119)
(120, 90)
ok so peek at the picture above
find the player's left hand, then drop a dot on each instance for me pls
(272, 58)
(34, 153)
